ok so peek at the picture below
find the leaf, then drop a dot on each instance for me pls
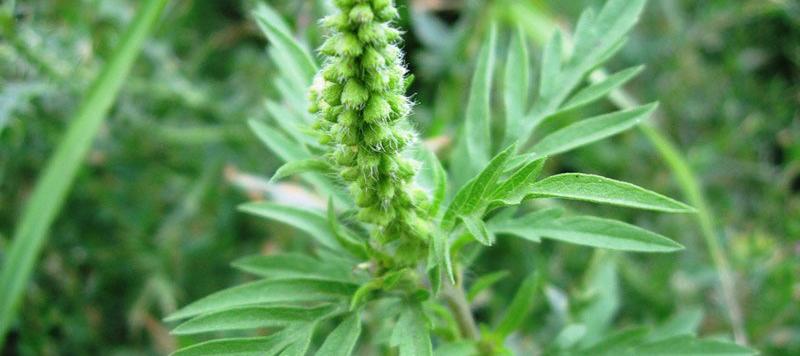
(311, 222)
(477, 229)
(252, 346)
(687, 345)
(411, 333)
(277, 33)
(601, 33)
(516, 85)
(589, 130)
(526, 226)
(294, 265)
(344, 236)
(342, 340)
(551, 65)
(302, 166)
(597, 189)
(605, 233)
(473, 149)
(289, 122)
(441, 252)
(53, 185)
(251, 318)
(439, 180)
(457, 348)
(521, 305)
(514, 189)
(485, 282)
(267, 291)
(300, 347)
(602, 88)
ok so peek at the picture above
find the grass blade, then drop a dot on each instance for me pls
(52, 188)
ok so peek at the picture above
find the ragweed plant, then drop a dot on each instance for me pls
(387, 276)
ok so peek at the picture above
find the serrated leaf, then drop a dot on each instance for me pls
(268, 291)
(551, 65)
(411, 333)
(602, 88)
(605, 233)
(598, 189)
(474, 145)
(306, 220)
(294, 265)
(342, 340)
(302, 166)
(477, 229)
(516, 85)
(485, 282)
(277, 32)
(520, 305)
(251, 318)
(525, 226)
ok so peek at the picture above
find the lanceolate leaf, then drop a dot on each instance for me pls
(251, 318)
(516, 83)
(605, 233)
(477, 229)
(302, 166)
(311, 222)
(551, 65)
(294, 265)
(589, 130)
(631, 344)
(593, 188)
(485, 282)
(604, 31)
(526, 226)
(520, 305)
(601, 89)
(342, 340)
(514, 189)
(411, 333)
(472, 151)
(253, 346)
(269, 291)
(278, 35)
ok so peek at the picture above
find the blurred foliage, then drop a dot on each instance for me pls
(151, 221)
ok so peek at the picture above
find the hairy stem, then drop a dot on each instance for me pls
(458, 304)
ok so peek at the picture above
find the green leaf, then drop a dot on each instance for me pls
(441, 252)
(687, 345)
(54, 183)
(589, 130)
(411, 333)
(268, 291)
(485, 282)
(521, 305)
(300, 347)
(277, 32)
(342, 340)
(457, 348)
(473, 149)
(477, 229)
(527, 226)
(514, 189)
(294, 265)
(551, 65)
(253, 346)
(311, 222)
(601, 89)
(516, 85)
(289, 122)
(251, 318)
(345, 237)
(605, 233)
(593, 188)
(302, 166)
(602, 33)
(438, 178)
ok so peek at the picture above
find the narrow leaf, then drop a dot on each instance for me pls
(278, 35)
(687, 345)
(514, 189)
(485, 182)
(477, 229)
(294, 265)
(521, 305)
(311, 222)
(268, 291)
(342, 340)
(605, 233)
(527, 226)
(485, 282)
(516, 85)
(602, 88)
(593, 188)
(251, 318)
(302, 166)
(551, 65)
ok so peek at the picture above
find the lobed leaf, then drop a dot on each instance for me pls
(267, 291)
(597, 189)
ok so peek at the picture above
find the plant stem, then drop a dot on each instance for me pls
(457, 301)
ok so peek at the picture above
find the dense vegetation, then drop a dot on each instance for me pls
(151, 222)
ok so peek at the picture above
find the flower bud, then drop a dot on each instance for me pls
(361, 13)
(354, 94)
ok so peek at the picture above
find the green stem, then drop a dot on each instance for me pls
(52, 188)
(458, 304)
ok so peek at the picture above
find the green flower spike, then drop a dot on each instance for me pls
(362, 108)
